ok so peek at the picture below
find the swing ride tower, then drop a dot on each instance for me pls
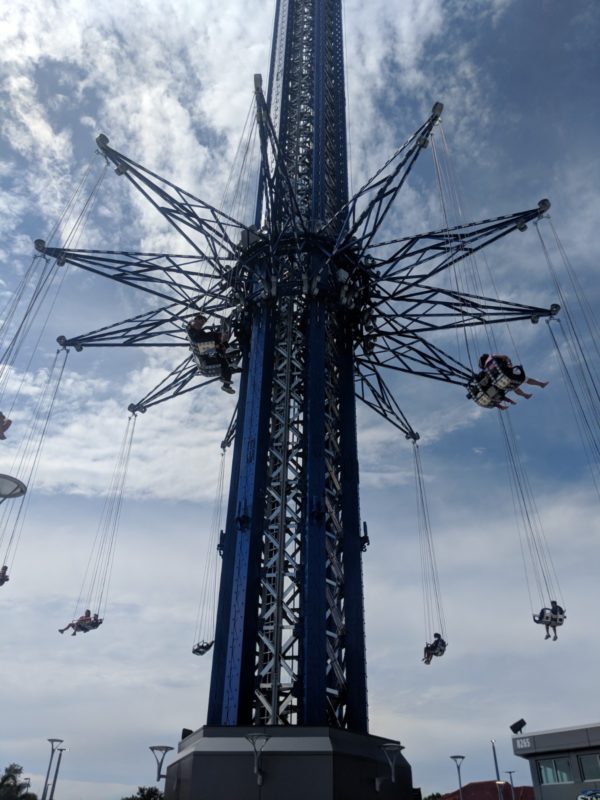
(319, 305)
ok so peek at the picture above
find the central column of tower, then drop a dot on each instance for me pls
(289, 646)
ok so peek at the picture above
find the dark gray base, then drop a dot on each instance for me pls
(218, 763)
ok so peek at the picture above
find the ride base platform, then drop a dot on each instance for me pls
(296, 763)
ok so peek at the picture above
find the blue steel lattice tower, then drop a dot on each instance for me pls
(318, 307)
(290, 632)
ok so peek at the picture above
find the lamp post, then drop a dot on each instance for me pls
(458, 761)
(53, 744)
(258, 741)
(159, 751)
(498, 781)
(391, 751)
(60, 751)
(510, 773)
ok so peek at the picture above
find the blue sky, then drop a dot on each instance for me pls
(170, 84)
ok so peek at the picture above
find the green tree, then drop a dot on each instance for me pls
(13, 787)
(434, 796)
(145, 793)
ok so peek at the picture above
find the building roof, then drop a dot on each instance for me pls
(556, 741)
(488, 790)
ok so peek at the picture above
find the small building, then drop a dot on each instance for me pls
(564, 763)
(490, 790)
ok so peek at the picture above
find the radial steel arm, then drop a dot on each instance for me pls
(424, 308)
(403, 351)
(179, 278)
(374, 392)
(161, 327)
(281, 204)
(424, 255)
(211, 232)
(382, 189)
(183, 379)
(231, 429)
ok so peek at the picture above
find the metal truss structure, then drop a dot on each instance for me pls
(321, 306)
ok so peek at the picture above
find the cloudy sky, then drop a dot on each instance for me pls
(171, 85)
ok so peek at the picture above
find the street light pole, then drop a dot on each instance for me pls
(159, 751)
(495, 758)
(60, 751)
(53, 744)
(498, 781)
(510, 773)
(458, 761)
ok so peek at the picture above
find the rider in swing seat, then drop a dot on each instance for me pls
(81, 624)
(210, 348)
(551, 618)
(492, 362)
(436, 648)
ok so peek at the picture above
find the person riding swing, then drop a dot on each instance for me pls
(436, 648)
(209, 346)
(85, 623)
(507, 376)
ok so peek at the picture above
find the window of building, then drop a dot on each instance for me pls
(555, 770)
(590, 766)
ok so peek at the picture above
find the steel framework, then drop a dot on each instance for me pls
(321, 306)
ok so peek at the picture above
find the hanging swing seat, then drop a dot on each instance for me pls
(504, 378)
(202, 648)
(4, 578)
(489, 386)
(206, 355)
(483, 392)
(548, 617)
(92, 625)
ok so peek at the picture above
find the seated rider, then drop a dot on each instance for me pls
(436, 648)
(4, 425)
(81, 624)
(95, 623)
(210, 345)
(554, 612)
(4, 575)
(516, 374)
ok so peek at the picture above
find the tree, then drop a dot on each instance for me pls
(12, 787)
(434, 796)
(144, 793)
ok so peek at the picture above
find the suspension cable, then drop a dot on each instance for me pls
(96, 581)
(538, 561)
(432, 597)
(27, 460)
(207, 609)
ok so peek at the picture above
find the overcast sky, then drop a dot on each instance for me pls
(171, 85)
